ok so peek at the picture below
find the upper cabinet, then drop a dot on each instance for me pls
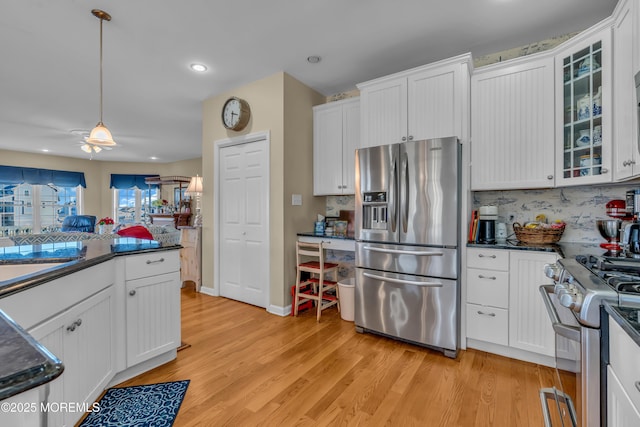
(625, 121)
(336, 136)
(425, 102)
(512, 125)
(584, 109)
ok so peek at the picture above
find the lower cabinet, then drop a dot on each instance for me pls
(82, 337)
(153, 316)
(504, 309)
(623, 379)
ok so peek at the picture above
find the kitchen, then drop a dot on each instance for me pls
(286, 233)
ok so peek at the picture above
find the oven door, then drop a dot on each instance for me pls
(561, 402)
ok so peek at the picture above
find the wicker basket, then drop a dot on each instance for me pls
(537, 235)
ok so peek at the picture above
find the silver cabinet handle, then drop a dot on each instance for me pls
(632, 162)
(156, 261)
(549, 176)
(625, 163)
(482, 313)
(404, 138)
(482, 276)
(604, 170)
(78, 322)
(132, 292)
(403, 282)
(71, 327)
(410, 137)
(637, 384)
(486, 256)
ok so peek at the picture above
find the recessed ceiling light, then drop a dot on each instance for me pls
(153, 158)
(44, 150)
(313, 59)
(200, 68)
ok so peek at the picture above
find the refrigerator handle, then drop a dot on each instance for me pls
(404, 184)
(403, 252)
(403, 282)
(393, 179)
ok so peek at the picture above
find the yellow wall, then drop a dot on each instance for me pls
(97, 200)
(271, 100)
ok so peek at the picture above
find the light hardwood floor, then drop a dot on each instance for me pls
(248, 367)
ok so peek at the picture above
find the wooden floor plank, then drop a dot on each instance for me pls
(248, 368)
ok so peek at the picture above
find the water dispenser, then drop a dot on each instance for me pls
(374, 211)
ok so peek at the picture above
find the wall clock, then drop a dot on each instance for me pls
(235, 113)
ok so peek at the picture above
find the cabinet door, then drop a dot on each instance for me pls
(327, 150)
(153, 316)
(625, 142)
(434, 103)
(350, 142)
(584, 111)
(529, 325)
(512, 125)
(82, 337)
(620, 410)
(384, 113)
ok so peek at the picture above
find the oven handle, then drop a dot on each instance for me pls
(570, 332)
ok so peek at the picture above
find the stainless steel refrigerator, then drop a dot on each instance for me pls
(407, 238)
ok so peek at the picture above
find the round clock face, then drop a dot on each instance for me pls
(235, 114)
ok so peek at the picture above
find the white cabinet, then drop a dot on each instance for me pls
(512, 124)
(83, 338)
(623, 379)
(152, 305)
(336, 136)
(505, 312)
(625, 142)
(488, 295)
(584, 108)
(191, 255)
(425, 102)
(529, 325)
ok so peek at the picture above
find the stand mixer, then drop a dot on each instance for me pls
(610, 229)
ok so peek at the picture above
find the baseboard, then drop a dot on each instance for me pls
(208, 291)
(279, 311)
(513, 353)
(145, 366)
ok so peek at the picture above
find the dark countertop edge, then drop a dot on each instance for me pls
(44, 276)
(614, 311)
(324, 236)
(31, 376)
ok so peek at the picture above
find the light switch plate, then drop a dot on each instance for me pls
(296, 199)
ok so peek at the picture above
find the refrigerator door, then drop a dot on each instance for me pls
(376, 194)
(414, 308)
(429, 183)
(417, 260)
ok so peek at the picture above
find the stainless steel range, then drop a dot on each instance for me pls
(573, 304)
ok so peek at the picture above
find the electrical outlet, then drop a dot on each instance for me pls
(296, 199)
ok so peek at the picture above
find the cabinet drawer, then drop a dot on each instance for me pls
(151, 264)
(488, 259)
(488, 287)
(624, 355)
(488, 324)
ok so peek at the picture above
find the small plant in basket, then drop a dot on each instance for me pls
(106, 221)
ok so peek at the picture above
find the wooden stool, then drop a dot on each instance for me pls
(310, 259)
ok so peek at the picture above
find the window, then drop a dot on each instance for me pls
(132, 197)
(132, 205)
(29, 208)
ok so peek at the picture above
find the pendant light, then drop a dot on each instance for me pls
(100, 135)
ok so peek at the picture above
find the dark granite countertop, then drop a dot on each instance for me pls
(25, 363)
(627, 317)
(348, 236)
(73, 256)
(564, 250)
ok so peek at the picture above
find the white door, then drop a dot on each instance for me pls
(244, 227)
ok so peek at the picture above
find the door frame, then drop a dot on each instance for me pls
(218, 146)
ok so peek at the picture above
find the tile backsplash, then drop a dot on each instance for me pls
(579, 207)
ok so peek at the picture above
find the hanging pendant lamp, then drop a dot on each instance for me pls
(100, 135)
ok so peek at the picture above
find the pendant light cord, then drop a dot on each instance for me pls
(101, 20)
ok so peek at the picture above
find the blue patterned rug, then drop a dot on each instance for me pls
(140, 406)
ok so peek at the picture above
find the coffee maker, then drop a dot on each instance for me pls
(632, 231)
(487, 218)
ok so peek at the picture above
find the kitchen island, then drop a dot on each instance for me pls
(88, 304)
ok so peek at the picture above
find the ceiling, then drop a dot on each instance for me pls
(49, 50)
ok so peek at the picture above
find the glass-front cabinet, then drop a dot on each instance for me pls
(584, 102)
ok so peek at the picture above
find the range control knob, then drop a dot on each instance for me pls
(571, 301)
(552, 271)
